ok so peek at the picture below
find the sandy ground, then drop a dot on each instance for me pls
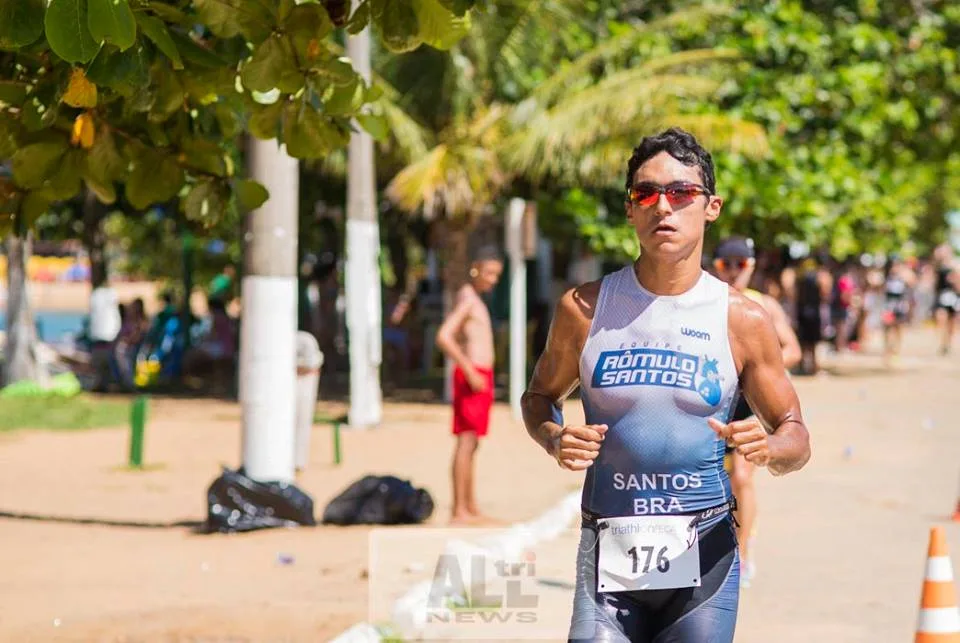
(840, 548)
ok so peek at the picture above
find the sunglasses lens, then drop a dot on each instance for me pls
(645, 196)
(725, 264)
(682, 194)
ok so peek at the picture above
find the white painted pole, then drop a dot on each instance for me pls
(364, 315)
(268, 371)
(518, 303)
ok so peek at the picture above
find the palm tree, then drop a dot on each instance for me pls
(574, 128)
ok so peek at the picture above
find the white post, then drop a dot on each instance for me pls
(545, 273)
(268, 371)
(364, 316)
(518, 303)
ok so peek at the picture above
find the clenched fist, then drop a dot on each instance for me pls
(578, 446)
(747, 437)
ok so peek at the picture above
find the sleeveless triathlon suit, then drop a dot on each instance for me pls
(653, 369)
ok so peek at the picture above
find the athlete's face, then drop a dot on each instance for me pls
(729, 268)
(486, 274)
(675, 222)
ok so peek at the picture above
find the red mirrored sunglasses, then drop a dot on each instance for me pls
(723, 264)
(647, 194)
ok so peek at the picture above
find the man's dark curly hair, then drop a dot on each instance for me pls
(679, 144)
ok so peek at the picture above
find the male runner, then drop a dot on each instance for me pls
(466, 337)
(658, 349)
(734, 263)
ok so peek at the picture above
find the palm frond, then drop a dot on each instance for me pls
(602, 163)
(724, 132)
(604, 111)
(461, 179)
(568, 74)
(410, 139)
(415, 186)
(535, 18)
(687, 59)
(483, 127)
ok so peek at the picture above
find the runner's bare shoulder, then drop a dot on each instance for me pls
(575, 311)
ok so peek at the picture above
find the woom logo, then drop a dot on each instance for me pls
(696, 334)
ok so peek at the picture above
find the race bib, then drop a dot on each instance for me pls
(947, 299)
(647, 552)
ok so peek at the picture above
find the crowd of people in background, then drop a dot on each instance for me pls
(854, 304)
(848, 306)
(128, 349)
(851, 305)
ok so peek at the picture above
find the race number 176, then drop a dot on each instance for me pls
(646, 554)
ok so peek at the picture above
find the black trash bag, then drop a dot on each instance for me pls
(379, 500)
(344, 509)
(237, 503)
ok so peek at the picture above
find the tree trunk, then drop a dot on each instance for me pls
(268, 328)
(396, 243)
(453, 241)
(454, 246)
(21, 358)
(363, 281)
(95, 239)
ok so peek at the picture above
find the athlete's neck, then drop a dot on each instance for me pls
(668, 277)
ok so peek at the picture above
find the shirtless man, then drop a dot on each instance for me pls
(660, 349)
(466, 337)
(734, 262)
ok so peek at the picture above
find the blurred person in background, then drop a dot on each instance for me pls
(221, 286)
(842, 312)
(925, 294)
(734, 263)
(466, 337)
(106, 318)
(133, 332)
(809, 319)
(947, 293)
(898, 285)
(788, 298)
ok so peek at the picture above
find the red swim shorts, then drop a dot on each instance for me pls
(471, 409)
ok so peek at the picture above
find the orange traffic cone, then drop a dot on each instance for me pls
(939, 620)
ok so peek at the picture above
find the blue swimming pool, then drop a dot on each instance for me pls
(52, 326)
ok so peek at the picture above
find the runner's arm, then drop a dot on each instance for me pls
(768, 389)
(557, 371)
(447, 334)
(789, 344)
